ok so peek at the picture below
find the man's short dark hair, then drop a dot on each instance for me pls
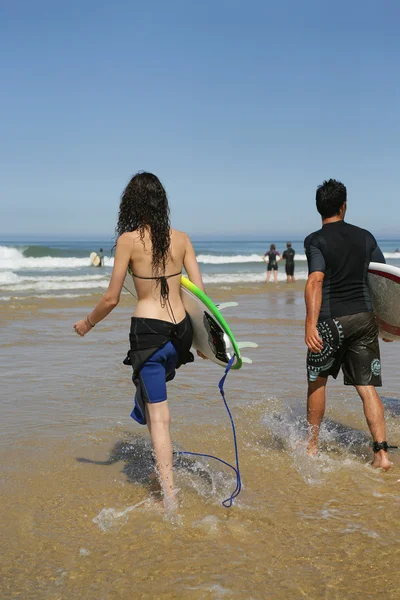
(330, 197)
(289, 244)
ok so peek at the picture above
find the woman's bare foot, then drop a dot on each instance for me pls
(381, 461)
(312, 449)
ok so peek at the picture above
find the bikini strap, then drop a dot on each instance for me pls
(158, 277)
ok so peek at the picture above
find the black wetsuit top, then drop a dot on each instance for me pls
(288, 255)
(343, 252)
(272, 258)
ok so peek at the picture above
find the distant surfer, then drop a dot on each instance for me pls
(341, 330)
(272, 257)
(288, 255)
(161, 332)
(101, 257)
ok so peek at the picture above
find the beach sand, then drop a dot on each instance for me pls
(76, 507)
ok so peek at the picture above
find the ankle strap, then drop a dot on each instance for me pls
(378, 446)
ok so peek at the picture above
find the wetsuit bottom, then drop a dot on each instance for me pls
(157, 349)
(151, 381)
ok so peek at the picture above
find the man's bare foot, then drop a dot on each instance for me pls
(381, 461)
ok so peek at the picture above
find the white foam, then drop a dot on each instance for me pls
(212, 259)
(45, 286)
(247, 277)
(109, 518)
(8, 278)
(215, 259)
(13, 259)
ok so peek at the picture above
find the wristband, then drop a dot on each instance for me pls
(89, 322)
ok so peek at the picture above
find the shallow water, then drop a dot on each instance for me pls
(78, 496)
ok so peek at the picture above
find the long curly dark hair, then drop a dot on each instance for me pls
(144, 206)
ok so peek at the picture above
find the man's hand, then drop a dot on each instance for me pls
(387, 340)
(201, 355)
(313, 341)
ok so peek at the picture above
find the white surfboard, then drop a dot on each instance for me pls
(94, 259)
(384, 286)
(212, 335)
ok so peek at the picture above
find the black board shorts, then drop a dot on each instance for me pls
(289, 269)
(351, 343)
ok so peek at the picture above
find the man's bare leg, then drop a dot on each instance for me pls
(315, 412)
(158, 418)
(375, 415)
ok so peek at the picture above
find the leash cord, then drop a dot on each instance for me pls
(228, 502)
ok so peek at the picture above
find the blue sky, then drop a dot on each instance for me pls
(241, 108)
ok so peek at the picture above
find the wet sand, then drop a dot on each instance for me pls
(76, 504)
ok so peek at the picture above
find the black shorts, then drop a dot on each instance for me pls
(289, 268)
(272, 267)
(350, 342)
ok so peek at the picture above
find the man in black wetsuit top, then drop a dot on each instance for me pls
(341, 330)
(288, 255)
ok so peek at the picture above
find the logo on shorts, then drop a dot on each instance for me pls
(376, 367)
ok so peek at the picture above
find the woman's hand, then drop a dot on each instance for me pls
(82, 327)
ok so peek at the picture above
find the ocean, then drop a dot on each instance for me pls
(77, 487)
(63, 269)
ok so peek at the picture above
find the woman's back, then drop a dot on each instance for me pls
(159, 293)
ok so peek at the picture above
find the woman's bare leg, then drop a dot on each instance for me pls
(158, 418)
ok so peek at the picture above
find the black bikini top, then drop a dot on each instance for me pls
(162, 280)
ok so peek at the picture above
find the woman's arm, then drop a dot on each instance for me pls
(111, 298)
(191, 265)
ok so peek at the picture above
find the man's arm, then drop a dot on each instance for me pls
(377, 255)
(313, 298)
(313, 292)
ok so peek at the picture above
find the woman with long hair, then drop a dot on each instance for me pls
(161, 333)
(272, 257)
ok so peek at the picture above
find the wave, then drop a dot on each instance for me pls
(12, 284)
(15, 260)
(213, 259)
(247, 277)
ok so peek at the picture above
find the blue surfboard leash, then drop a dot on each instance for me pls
(228, 502)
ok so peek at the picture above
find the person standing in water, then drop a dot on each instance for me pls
(341, 331)
(161, 332)
(272, 257)
(288, 255)
(101, 257)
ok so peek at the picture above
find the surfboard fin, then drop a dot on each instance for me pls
(241, 345)
(224, 305)
(246, 360)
